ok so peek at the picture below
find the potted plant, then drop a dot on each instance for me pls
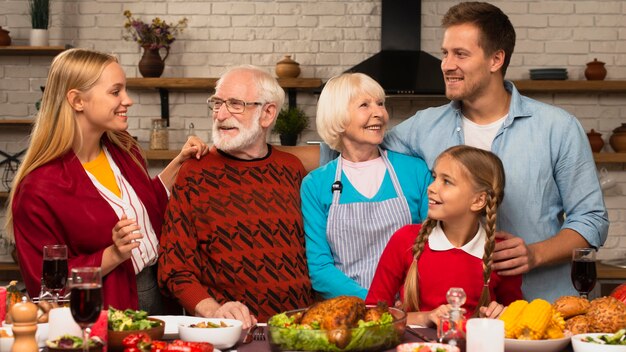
(40, 18)
(290, 123)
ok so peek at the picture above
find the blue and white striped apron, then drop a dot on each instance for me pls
(358, 232)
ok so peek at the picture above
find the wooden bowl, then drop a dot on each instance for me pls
(115, 337)
(97, 348)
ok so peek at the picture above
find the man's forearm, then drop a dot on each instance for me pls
(557, 249)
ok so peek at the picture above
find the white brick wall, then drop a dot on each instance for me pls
(326, 38)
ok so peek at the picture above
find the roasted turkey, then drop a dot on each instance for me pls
(338, 315)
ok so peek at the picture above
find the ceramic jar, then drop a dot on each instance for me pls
(287, 68)
(595, 70)
(618, 139)
(595, 140)
(5, 39)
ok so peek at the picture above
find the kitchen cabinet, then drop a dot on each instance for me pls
(164, 85)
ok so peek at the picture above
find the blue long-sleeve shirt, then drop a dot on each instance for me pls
(326, 279)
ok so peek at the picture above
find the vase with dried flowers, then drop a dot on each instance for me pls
(40, 18)
(152, 37)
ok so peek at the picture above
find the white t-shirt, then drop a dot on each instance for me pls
(481, 136)
(366, 176)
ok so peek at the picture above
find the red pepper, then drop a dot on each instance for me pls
(158, 346)
(132, 349)
(133, 340)
(183, 346)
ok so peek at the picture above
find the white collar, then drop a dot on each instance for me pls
(437, 241)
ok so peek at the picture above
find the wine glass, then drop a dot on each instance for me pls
(584, 270)
(54, 274)
(86, 299)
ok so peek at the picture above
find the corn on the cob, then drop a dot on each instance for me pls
(534, 321)
(556, 326)
(511, 317)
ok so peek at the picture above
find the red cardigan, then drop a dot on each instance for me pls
(58, 203)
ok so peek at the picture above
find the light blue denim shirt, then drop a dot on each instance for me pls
(549, 169)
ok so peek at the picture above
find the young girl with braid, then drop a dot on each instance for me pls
(453, 247)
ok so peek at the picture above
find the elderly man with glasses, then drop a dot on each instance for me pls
(233, 241)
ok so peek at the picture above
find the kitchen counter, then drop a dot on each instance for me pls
(609, 272)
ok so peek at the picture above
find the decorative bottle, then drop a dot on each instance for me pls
(454, 335)
(159, 137)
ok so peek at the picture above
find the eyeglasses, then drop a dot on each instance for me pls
(234, 106)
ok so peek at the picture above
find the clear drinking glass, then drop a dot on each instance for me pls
(54, 273)
(584, 270)
(86, 299)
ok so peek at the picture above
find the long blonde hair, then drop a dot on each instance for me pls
(55, 128)
(486, 174)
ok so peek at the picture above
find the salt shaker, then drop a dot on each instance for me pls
(455, 335)
(24, 326)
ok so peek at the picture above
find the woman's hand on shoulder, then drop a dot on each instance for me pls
(194, 147)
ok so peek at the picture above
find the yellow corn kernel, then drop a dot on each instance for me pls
(556, 326)
(511, 317)
(535, 320)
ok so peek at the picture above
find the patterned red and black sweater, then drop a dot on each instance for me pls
(233, 231)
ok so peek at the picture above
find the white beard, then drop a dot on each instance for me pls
(245, 138)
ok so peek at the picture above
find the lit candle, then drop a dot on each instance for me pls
(485, 335)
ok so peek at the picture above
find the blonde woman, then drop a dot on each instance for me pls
(84, 183)
(353, 205)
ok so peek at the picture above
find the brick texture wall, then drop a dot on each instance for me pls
(325, 37)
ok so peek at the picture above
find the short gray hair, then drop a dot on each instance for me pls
(267, 86)
(332, 107)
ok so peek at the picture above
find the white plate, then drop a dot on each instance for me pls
(41, 335)
(553, 345)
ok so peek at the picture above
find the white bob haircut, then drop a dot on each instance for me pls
(333, 113)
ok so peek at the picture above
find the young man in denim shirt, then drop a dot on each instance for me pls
(550, 171)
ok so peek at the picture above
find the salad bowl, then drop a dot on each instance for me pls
(115, 337)
(374, 337)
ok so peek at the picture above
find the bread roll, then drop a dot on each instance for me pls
(607, 315)
(577, 325)
(570, 306)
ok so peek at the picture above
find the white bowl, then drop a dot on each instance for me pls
(551, 345)
(221, 338)
(6, 342)
(583, 346)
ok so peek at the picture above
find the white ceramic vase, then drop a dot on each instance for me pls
(38, 37)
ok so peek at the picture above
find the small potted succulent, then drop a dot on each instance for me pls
(290, 123)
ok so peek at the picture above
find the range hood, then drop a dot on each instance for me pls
(401, 67)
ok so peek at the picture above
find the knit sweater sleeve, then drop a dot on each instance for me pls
(179, 267)
(325, 277)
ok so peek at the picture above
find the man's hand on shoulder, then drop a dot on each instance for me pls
(512, 256)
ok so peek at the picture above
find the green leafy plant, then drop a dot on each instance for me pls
(39, 13)
(291, 121)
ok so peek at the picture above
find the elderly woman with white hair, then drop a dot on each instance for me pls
(352, 205)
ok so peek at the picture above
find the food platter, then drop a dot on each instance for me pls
(552, 345)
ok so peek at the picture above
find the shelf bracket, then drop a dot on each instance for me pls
(291, 95)
(165, 105)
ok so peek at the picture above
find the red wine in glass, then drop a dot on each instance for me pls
(54, 274)
(86, 304)
(584, 275)
(584, 270)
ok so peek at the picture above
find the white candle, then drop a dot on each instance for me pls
(485, 335)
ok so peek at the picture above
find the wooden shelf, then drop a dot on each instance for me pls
(161, 154)
(209, 83)
(609, 157)
(567, 86)
(16, 122)
(4, 196)
(16, 50)
(9, 267)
